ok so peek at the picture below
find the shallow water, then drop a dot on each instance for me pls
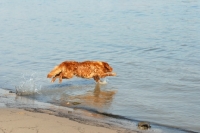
(152, 45)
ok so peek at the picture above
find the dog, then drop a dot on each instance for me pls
(85, 69)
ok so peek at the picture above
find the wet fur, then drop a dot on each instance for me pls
(86, 69)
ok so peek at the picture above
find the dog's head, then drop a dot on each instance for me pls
(107, 67)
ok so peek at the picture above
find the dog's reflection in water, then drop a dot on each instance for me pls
(98, 98)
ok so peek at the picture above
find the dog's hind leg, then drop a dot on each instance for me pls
(68, 75)
(55, 77)
(54, 72)
(60, 78)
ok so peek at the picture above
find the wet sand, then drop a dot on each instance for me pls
(19, 115)
(20, 121)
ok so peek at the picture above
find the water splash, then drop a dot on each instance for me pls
(29, 85)
(104, 81)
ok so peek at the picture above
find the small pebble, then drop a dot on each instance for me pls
(69, 112)
(144, 125)
(11, 92)
(76, 103)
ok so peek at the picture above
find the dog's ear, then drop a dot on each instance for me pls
(54, 72)
(107, 66)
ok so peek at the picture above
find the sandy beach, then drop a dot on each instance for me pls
(22, 121)
(19, 115)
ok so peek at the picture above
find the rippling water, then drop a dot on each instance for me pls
(152, 45)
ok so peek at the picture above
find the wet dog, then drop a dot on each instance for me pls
(86, 69)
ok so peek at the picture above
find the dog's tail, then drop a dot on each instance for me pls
(54, 72)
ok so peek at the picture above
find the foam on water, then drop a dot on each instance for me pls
(103, 81)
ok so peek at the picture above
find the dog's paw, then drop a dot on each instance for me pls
(103, 82)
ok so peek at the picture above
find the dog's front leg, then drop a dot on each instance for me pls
(107, 74)
(96, 78)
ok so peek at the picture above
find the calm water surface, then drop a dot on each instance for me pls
(154, 47)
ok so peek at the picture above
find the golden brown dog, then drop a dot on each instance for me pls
(86, 69)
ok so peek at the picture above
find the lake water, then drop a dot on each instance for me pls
(153, 46)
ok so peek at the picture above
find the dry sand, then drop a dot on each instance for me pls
(22, 121)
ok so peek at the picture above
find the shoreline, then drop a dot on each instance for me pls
(28, 115)
(19, 120)
(10, 101)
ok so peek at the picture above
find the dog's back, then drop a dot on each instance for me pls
(89, 69)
